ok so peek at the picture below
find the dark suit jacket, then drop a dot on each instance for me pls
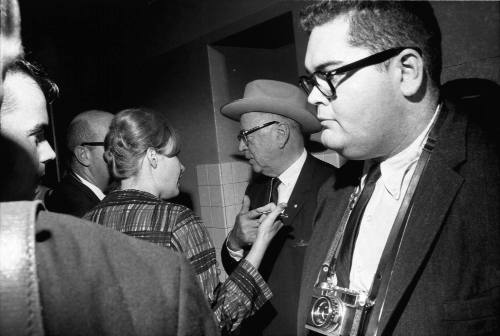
(446, 278)
(281, 266)
(71, 197)
(96, 281)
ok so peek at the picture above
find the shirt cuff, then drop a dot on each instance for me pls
(236, 255)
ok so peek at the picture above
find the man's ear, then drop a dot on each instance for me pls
(283, 134)
(152, 157)
(411, 70)
(81, 154)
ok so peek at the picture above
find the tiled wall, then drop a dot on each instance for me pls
(221, 188)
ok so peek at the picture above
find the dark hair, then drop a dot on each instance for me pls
(131, 133)
(38, 74)
(381, 25)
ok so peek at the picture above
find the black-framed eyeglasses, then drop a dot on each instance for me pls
(95, 143)
(243, 135)
(324, 80)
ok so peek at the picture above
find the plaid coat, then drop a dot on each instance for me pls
(145, 216)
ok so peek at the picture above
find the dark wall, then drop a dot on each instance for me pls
(243, 65)
(83, 46)
(178, 85)
(100, 54)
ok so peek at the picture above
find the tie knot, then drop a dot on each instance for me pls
(273, 192)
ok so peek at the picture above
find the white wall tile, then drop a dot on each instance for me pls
(218, 217)
(206, 216)
(241, 171)
(335, 159)
(319, 155)
(239, 191)
(226, 172)
(201, 173)
(204, 195)
(230, 215)
(218, 236)
(215, 195)
(228, 194)
(213, 173)
(229, 228)
(213, 234)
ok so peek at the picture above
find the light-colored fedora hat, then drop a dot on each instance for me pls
(270, 96)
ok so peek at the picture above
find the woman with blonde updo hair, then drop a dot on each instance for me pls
(141, 152)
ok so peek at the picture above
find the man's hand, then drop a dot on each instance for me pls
(246, 225)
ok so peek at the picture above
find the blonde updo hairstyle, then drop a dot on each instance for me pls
(131, 133)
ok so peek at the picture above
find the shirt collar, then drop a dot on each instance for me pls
(98, 192)
(394, 169)
(291, 174)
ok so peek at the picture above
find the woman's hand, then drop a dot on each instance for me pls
(270, 224)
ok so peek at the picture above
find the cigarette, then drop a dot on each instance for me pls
(281, 215)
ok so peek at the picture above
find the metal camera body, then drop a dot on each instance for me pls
(337, 311)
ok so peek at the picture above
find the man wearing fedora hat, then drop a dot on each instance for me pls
(274, 118)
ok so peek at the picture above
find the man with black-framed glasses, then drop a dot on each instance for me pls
(87, 180)
(274, 119)
(413, 247)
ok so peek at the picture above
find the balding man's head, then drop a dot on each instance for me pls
(88, 126)
(85, 140)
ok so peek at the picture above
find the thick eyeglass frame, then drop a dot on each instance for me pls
(307, 83)
(95, 143)
(243, 135)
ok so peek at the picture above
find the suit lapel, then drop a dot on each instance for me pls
(434, 195)
(86, 190)
(327, 217)
(301, 191)
(426, 219)
(326, 220)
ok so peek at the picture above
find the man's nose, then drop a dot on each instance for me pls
(242, 145)
(317, 98)
(45, 152)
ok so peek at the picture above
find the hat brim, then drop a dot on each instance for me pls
(304, 117)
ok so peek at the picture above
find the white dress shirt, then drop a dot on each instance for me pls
(382, 209)
(95, 189)
(288, 180)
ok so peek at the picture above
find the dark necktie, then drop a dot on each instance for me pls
(273, 190)
(343, 263)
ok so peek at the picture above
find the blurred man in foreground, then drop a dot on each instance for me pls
(24, 119)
